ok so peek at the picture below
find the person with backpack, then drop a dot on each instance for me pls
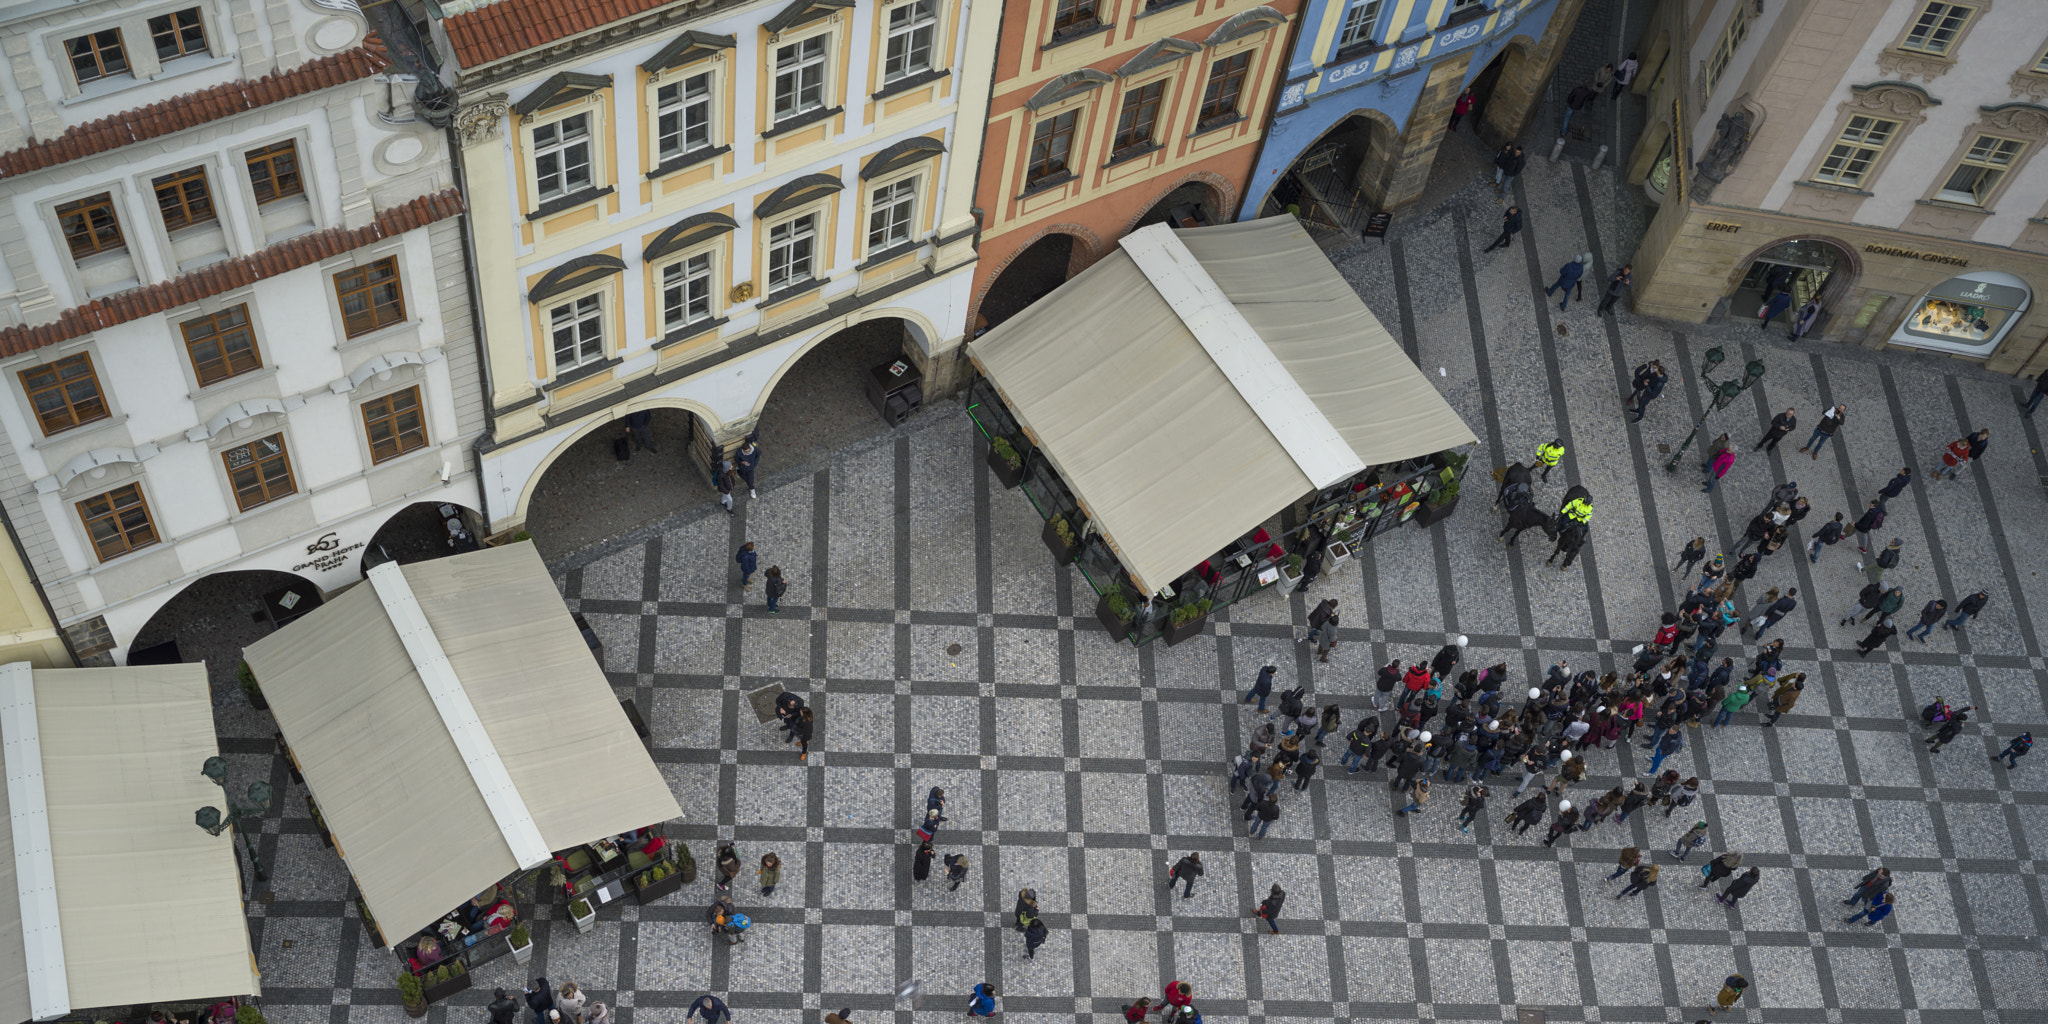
(1034, 937)
(728, 862)
(1358, 744)
(1290, 708)
(776, 587)
(1930, 613)
(1639, 880)
(983, 1002)
(1670, 743)
(2014, 750)
(1868, 523)
(1866, 604)
(1692, 840)
(1026, 908)
(1269, 909)
(1887, 558)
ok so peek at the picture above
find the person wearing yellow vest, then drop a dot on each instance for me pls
(1547, 456)
(1578, 510)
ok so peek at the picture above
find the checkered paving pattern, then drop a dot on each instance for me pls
(940, 647)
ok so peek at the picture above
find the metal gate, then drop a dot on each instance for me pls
(1325, 198)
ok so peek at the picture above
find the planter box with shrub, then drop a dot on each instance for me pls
(657, 881)
(444, 981)
(521, 942)
(1185, 621)
(1115, 613)
(582, 915)
(1060, 540)
(1004, 462)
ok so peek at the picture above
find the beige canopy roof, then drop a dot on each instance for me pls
(1192, 383)
(147, 907)
(454, 728)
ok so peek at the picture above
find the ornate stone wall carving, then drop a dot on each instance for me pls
(482, 121)
(1906, 65)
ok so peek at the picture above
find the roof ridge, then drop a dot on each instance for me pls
(191, 109)
(215, 278)
(500, 28)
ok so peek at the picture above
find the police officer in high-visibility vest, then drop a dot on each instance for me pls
(1578, 510)
(1547, 456)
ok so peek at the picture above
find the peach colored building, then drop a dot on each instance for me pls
(1109, 114)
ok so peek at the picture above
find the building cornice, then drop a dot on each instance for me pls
(213, 279)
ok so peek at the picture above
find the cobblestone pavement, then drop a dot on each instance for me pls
(941, 648)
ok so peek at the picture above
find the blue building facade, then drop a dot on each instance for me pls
(1370, 86)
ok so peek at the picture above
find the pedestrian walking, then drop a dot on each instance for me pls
(1510, 224)
(748, 560)
(1602, 79)
(1528, 813)
(1262, 816)
(1868, 523)
(806, 724)
(1776, 612)
(1269, 908)
(770, 873)
(1631, 801)
(1566, 820)
(1681, 795)
(1624, 74)
(1417, 799)
(956, 870)
(1721, 867)
(1034, 937)
(1575, 101)
(728, 863)
(1830, 422)
(1953, 458)
(712, 1008)
(1829, 534)
(1690, 556)
(1461, 108)
(775, 587)
(1305, 769)
(1871, 887)
(1647, 383)
(1617, 284)
(921, 863)
(746, 461)
(1690, 841)
(2034, 400)
(1178, 994)
(1567, 279)
(1262, 687)
(1626, 861)
(1185, 871)
(1772, 307)
(983, 1002)
(2014, 750)
(1876, 638)
(1968, 609)
(1720, 459)
(1806, 318)
(1930, 613)
(1328, 637)
(1639, 880)
(1867, 600)
(1786, 696)
(1507, 164)
(1740, 887)
(1670, 743)
(1731, 991)
(1474, 805)
(1879, 909)
(1947, 733)
(1781, 424)
(1897, 484)
(540, 998)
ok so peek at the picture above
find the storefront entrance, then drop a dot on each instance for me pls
(1967, 315)
(1326, 186)
(1809, 267)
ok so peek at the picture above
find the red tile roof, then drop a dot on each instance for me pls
(506, 27)
(196, 108)
(292, 254)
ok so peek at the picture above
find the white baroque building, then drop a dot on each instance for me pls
(234, 310)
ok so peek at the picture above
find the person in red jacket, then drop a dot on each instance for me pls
(1179, 994)
(1416, 681)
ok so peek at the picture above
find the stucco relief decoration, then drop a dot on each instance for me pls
(1906, 65)
(1904, 102)
(482, 121)
(1731, 139)
(2022, 120)
(2028, 85)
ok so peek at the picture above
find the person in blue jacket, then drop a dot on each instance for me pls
(983, 1002)
(1568, 278)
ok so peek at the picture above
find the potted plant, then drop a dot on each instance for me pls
(657, 881)
(1005, 462)
(584, 917)
(411, 993)
(246, 1014)
(1290, 573)
(1115, 613)
(1185, 620)
(445, 981)
(1439, 505)
(521, 941)
(686, 864)
(1060, 540)
(247, 677)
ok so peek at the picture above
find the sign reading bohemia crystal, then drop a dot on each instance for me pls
(1911, 254)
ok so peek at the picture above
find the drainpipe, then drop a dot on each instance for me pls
(476, 319)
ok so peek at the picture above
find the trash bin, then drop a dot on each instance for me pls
(895, 389)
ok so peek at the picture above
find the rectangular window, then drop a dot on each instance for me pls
(118, 521)
(96, 56)
(370, 297)
(578, 330)
(891, 212)
(394, 424)
(1935, 30)
(1724, 51)
(221, 345)
(183, 198)
(791, 251)
(1070, 16)
(1358, 23)
(1141, 112)
(800, 77)
(911, 27)
(274, 172)
(260, 471)
(2041, 66)
(1977, 176)
(65, 393)
(1051, 143)
(686, 291)
(89, 226)
(683, 116)
(178, 34)
(1226, 81)
(561, 157)
(1856, 151)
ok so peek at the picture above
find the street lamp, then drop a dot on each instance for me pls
(1722, 392)
(210, 818)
